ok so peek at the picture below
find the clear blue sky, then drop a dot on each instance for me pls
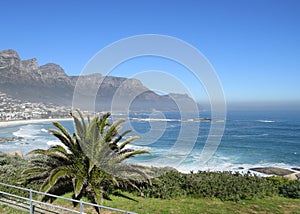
(254, 45)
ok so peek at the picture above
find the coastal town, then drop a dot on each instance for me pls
(14, 109)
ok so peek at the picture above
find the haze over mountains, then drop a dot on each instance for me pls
(27, 81)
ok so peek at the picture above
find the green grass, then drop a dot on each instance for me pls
(5, 209)
(272, 205)
(191, 205)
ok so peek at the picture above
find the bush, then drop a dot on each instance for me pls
(277, 181)
(290, 189)
(223, 185)
(167, 186)
(11, 168)
(227, 186)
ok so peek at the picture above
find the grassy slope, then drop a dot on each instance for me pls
(191, 205)
(188, 205)
(9, 210)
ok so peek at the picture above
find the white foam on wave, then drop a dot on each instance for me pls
(249, 135)
(28, 131)
(220, 166)
(266, 121)
(155, 119)
(135, 147)
(44, 130)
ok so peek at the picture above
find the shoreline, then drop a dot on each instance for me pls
(24, 122)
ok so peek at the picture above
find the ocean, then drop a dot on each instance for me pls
(251, 139)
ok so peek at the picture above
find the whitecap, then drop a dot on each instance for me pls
(266, 121)
(155, 119)
(28, 131)
(221, 166)
(135, 147)
(44, 130)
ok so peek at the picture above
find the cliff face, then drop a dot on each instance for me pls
(9, 59)
(15, 71)
(26, 80)
(10, 65)
(53, 74)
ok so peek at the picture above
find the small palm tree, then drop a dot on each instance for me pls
(88, 163)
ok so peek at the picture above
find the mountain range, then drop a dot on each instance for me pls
(27, 81)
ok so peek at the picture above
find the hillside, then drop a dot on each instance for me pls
(27, 81)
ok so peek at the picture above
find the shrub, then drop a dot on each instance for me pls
(290, 189)
(277, 181)
(11, 168)
(223, 185)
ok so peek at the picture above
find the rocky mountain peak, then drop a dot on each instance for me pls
(30, 64)
(53, 74)
(49, 83)
(9, 58)
(134, 83)
(10, 53)
(52, 70)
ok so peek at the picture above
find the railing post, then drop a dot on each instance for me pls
(30, 202)
(81, 206)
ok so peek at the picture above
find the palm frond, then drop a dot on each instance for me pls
(38, 152)
(33, 170)
(127, 141)
(58, 149)
(66, 140)
(130, 154)
(63, 130)
(113, 130)
(121, 136)
(80, 130)
(78, 184)
(103, 122)
(97, 194)
(82, 119)
(56, 174)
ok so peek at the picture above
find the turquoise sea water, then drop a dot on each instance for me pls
(250, 139)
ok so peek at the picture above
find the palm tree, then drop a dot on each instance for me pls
(88, 163)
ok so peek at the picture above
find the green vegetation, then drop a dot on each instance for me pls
(290, 189)
(86, 162)
(86, 165)
(11, 168)
(174, 182)
(9, 210)
(192, 205)
(226, 186)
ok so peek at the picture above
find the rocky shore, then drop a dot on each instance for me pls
(9, 139)
(293, 174)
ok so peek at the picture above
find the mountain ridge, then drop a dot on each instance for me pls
(49, 83)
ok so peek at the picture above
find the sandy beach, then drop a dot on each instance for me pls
(21, 122)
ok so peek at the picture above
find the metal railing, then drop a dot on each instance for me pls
(32, 201)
